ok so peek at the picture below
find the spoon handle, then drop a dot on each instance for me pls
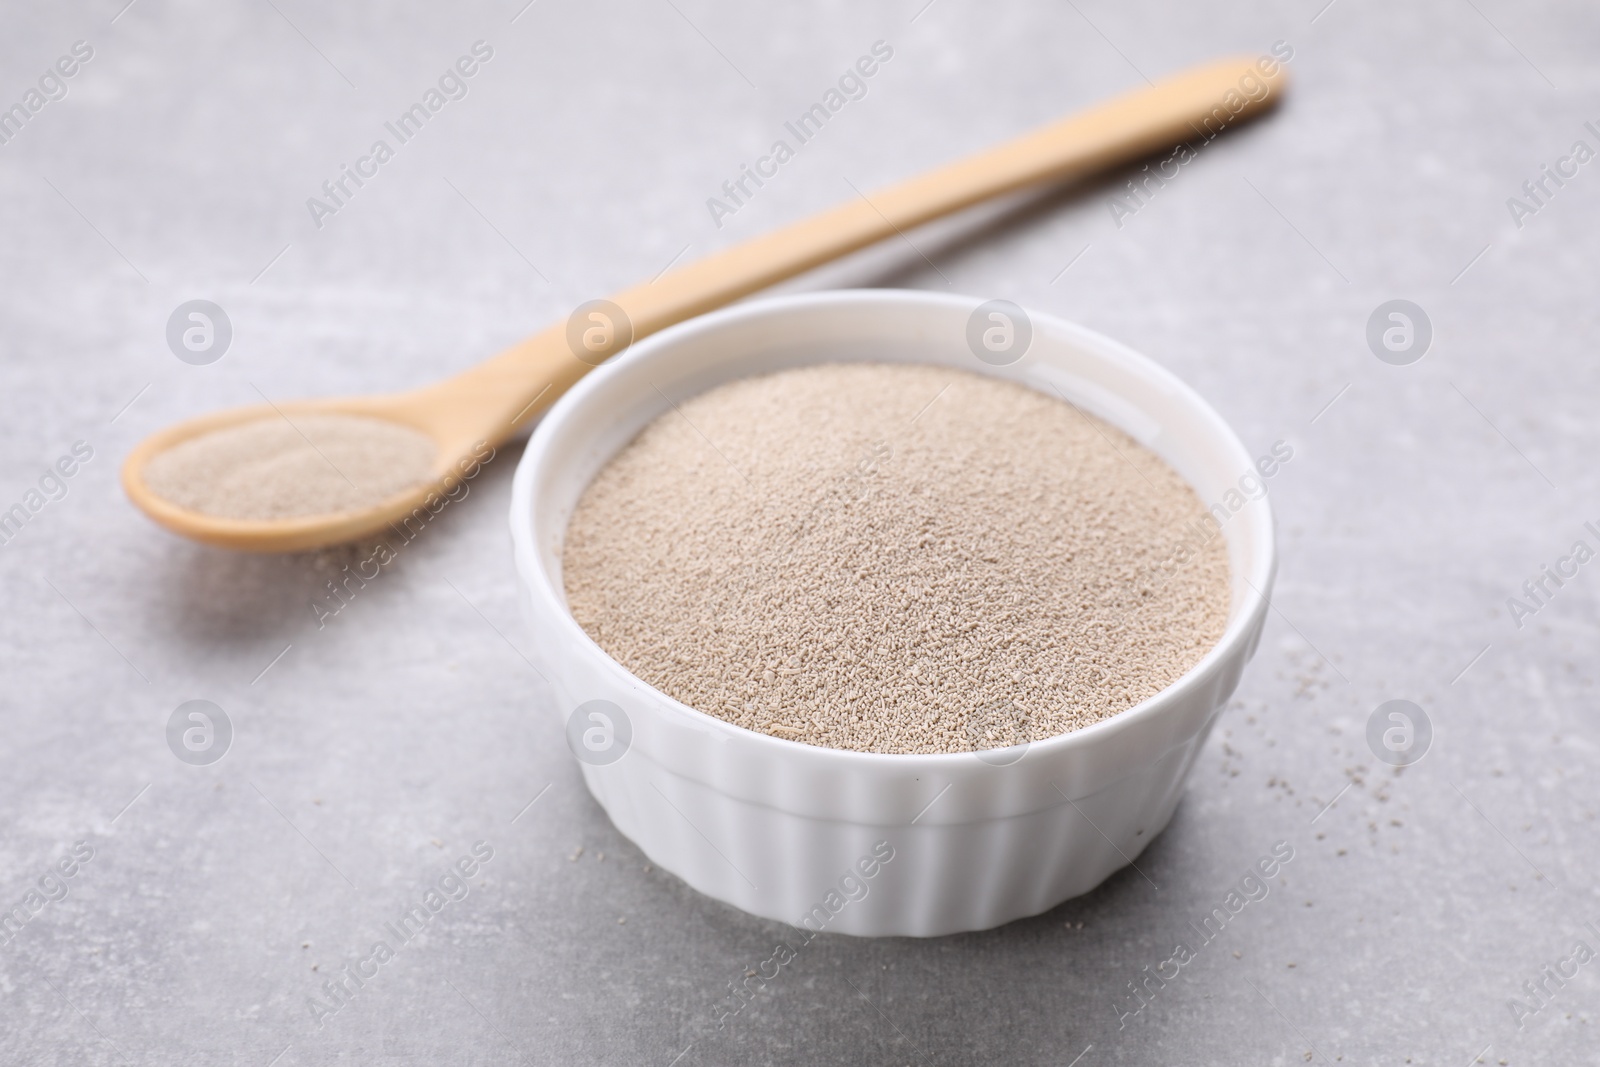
(1192, 106)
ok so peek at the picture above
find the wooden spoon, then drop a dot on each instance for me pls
(488, 403)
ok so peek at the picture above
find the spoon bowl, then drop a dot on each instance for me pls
(481, 407)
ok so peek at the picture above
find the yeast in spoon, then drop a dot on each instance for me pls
(274, 468)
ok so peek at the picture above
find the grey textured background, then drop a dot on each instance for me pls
(377, 749)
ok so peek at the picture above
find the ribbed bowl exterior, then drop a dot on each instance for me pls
(862, 843)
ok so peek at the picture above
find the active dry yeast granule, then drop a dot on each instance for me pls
(893, 558)
(274, 469)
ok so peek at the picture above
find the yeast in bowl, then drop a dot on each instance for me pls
(768, 824)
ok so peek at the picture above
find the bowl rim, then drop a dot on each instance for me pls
(1244, 624)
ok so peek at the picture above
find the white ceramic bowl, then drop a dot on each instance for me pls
(800, 833)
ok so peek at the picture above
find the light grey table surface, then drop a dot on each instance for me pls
(370, 753)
